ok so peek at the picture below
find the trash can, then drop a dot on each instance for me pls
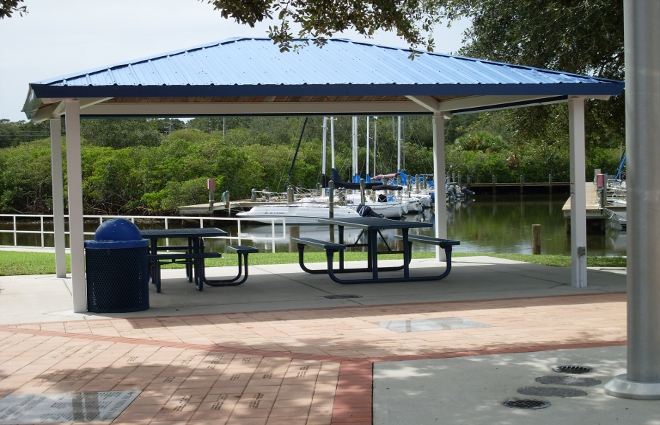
(117, 268)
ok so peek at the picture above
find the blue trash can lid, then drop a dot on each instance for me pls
(117, 233)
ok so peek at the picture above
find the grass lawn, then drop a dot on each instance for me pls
(15, 263)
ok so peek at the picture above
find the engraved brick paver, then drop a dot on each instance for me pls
(308, 367)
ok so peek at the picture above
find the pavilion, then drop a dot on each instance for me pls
(250, 76)
(359, 78)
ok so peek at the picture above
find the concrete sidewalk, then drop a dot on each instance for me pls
(275, 350)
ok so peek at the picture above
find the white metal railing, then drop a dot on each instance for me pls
(278, 226)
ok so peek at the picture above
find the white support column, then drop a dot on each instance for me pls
(578, 193)
(373, 170)
(355, 148)
(398, 145)
(76, 230)
(367, 161)
(439, 181)
(642, 38)
(332, 142)
(325, 142)
(58, 195)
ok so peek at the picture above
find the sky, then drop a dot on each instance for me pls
(57, 38)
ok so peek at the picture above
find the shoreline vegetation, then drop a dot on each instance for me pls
(19, 263)
(153, 166)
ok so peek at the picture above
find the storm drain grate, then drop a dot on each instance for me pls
(551, 392)
(341, 297)
(568, 380)
(526, 403)
(573, 369)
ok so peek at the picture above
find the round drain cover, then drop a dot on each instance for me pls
(573, 369)
(526, 403)
(341, 297)
(568, 380)
(551, 392)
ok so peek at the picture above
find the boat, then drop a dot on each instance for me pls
(301, 213)
(264, 234)
(454, 193)
(385, 206)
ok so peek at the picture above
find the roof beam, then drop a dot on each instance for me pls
(431, 104)
(428, 102)
(184, 109)
(56, 107)
(483, 102)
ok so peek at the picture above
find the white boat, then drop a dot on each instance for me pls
(390, 208)
(412, 205)
(259, 233)
(423, 198)
(304, 213)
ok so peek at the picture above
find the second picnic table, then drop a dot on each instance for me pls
(373, 227)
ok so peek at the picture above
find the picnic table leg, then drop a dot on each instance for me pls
(407, 255)
(341, 253)
(373, 252)
(198, 264)
(242, 265)
(189, 264)
(301, 261)
(153, 264)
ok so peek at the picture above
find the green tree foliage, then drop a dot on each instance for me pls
(121, 133)
(411, 19)
(9, 7)
(157, 179)
(14, 133)
(112, 182)
(25, 178)
(581, 36)
(175, 172)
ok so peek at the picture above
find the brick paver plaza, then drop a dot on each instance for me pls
(303, 366)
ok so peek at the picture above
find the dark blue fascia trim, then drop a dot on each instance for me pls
(594, 89)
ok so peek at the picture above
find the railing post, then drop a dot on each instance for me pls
(494, 183)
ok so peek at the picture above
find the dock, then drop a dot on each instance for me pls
(221, 207)
(597, 216)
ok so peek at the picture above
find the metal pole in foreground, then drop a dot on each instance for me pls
(642, 38)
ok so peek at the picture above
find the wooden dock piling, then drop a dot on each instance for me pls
(536, 239)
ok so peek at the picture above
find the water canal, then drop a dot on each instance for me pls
(487, 224)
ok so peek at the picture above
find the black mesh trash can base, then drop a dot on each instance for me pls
(117, 279)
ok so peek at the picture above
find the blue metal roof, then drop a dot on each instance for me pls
(250, 76)
(254, 67)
